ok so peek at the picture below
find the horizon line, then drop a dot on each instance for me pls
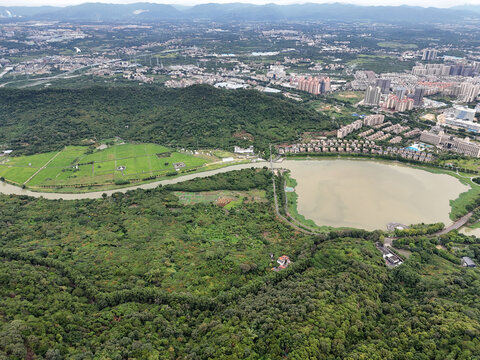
(188, 3)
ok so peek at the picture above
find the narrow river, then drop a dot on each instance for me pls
(340, 193)
(8, 189)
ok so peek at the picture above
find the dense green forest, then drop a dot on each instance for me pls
(33, 121)
(141, 276)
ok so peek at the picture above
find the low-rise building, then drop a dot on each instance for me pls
(467, 262)
(247, 151)
(448, 142)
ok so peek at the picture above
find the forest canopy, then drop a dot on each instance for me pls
(201, 116)
(141, 275)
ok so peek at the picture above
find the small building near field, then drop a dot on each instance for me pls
(247, 151)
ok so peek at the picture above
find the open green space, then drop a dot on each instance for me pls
(352, 97)
(81, 165)
(380, 63)
(397, 45)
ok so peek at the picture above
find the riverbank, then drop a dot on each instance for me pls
(457, 205)
(8, 189)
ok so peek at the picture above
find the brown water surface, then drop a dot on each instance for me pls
(369, 194)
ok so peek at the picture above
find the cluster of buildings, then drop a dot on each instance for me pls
(459, 117)
(379, 130)
(353, 147)
(467, 70)
(400, 104)
(391, 259)
(48, 64)
(429, 54)
(283, 262)
(451, 143)
(137, 75)
(314, 85)
(455, 77)
(401, 100)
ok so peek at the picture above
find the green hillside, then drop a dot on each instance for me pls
(144, 276)
(33, 121)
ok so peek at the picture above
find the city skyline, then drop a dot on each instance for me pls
(422, 3)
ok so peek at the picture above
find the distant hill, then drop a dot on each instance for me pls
(113, 12)
(25, 11)
(240, 12)
(470, 8)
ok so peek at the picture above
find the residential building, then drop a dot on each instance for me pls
(372, 96)
(314, 85)
(429, 54)
(347, 129)
(384, 85)
(468, 91)
(372, 120)
(418, 96)
(400, 92)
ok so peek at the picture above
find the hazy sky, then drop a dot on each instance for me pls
(436, 3)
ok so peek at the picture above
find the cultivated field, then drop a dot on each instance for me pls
(80, 166)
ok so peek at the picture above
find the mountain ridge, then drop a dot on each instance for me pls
(144, 11)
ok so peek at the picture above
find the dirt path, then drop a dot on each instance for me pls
(43, 167)
(281, 216)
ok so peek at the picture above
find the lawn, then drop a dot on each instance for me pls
(81, 165)
(380, 63)
(352, 97)
(397, 45)
(469, 164)
(20, 169)
(225, 198)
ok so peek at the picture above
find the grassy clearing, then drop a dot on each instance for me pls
(235, 203)
(468, 164)
(79, 165)
(352, 97)
(234, 198)
(397, 45)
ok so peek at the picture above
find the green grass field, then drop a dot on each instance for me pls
(397, 45)
(352, 97)
(79, 165)
(231, 199)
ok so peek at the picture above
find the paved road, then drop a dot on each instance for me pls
(455, 226)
